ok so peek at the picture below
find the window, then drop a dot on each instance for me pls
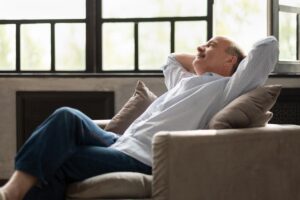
(285, 25)
(256, 19)
(243, 20)
(135, 36)
(42, 36)
(98, 36)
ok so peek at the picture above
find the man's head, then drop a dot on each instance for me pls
(219, 55)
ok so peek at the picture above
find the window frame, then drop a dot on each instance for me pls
(52, 23)
(284, 67)
(172, 20)
(93, 51)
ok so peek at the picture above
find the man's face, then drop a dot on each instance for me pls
(212, 57)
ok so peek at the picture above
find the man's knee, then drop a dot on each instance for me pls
(65, 111)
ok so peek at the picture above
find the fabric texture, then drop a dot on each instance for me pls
(133, 108)
(227, 164)
(248, 110)
(113, 185)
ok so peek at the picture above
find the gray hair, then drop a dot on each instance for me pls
(238, 52)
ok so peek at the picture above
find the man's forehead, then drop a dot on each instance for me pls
(220, 39)
(212, 41)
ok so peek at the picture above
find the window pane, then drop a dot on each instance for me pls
(188, 35)
(153, 8)
(118, 46)
(35, 47)
(154, 45)
(70, 46)
(7, 47)
(45, 9)
(295, 3)
(243, 20)
(287, 36)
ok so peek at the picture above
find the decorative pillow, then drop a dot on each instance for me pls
(115, 185)
(248, 110)
(133, 108)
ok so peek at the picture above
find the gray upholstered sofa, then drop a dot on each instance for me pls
(225, 162)
(232, 164)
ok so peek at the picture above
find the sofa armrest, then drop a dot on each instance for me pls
(253, 163)
(102, 122)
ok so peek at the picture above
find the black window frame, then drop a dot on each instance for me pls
(52, 23)
(284, 67)
(93, 51)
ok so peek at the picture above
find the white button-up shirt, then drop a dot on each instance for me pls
(192, 100)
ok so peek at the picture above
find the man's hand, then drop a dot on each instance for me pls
(186, 60)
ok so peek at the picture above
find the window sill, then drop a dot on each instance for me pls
(285, 75)
(112, 75)
(81, 75)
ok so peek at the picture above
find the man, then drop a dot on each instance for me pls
(69, 147)
(205, 60)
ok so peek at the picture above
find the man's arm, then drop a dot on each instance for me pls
(254, 70)
(174, 71)
(186, 60)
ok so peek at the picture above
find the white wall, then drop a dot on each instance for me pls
(123, 88)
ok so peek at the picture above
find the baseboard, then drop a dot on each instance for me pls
(3, 181)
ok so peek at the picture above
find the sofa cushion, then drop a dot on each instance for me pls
(248, 110)
(112, 185)
(133, 108)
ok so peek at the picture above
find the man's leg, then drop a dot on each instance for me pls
(86, 162)
(55, 140)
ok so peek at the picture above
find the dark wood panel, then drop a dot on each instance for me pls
(287, 108)
(34, 107)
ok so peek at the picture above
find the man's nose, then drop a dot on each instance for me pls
(200, 48)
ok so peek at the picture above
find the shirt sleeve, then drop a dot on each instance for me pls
(254, 70)
(174, 72)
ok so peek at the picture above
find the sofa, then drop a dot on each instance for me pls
(232, 164)
(240, 156)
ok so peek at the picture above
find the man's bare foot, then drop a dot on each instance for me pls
(17, 186)
(8, 194)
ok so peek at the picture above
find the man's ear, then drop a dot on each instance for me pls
(231, 60)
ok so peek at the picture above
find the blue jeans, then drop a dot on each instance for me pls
(68, 147)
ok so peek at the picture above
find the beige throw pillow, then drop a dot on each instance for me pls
(133, 108)
(248, 110)
(115, 185)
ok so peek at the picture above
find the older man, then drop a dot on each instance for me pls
(69, 147)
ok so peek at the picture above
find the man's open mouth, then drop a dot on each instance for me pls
(201, 55)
